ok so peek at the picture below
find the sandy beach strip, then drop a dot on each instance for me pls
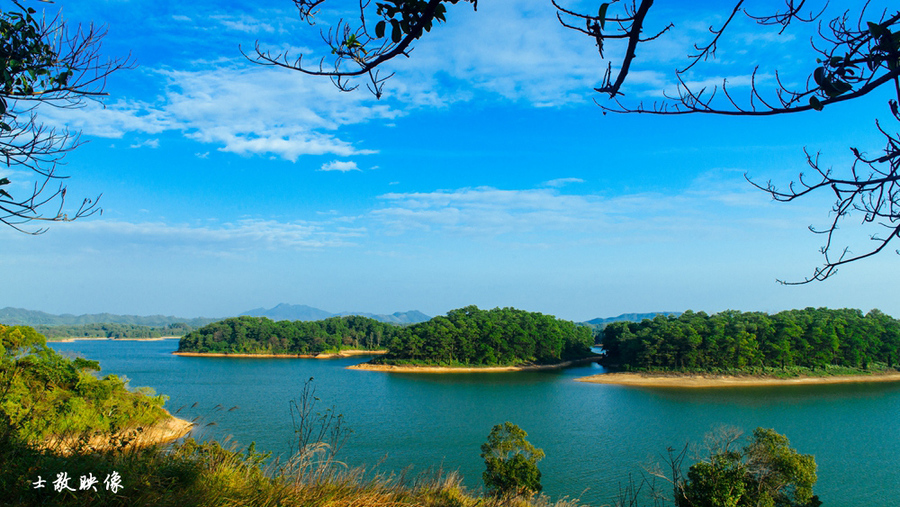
(703, 381)
(467, 369)
(343, 353)
(101, 338)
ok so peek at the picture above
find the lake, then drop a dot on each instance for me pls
(595, 436)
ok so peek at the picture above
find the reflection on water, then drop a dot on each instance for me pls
(594, 435)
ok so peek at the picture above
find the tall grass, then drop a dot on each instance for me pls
(207, 474)
(192, 473)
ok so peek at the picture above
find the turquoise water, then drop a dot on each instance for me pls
(594, 435)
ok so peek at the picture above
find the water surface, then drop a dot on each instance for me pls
(594, 435)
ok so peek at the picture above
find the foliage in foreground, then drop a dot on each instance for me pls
(43, 394)
(766, 472)
(195, 474)
(511, 462)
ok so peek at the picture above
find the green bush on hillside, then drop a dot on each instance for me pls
(43, 394)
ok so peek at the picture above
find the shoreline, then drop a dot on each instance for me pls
(161, 432)
(339, 355)
(100, 338)
(468, 369)
(710, 381)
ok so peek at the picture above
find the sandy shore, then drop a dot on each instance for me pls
(162, 432)
(343, 353)
(650, 380)
(463, 369)
(96, 338)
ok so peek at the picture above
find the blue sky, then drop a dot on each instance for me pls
(486, 174)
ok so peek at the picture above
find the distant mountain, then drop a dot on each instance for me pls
(410, 317)
(629, 317)
(285, 311)
(21, 317)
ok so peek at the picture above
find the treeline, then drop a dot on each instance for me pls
(108, 330)
(811, 338)
(260, 335)
(502, 336)
(21, 317)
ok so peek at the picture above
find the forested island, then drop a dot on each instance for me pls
(263, 336)
(113, 331)
(501, 337)
(844, 341)
(466, 337)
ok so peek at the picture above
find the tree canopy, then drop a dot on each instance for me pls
(511, 462)
(260, 335)
(501, 336)
(766, 472)
(810, 338)
(43, 394)
(466, 336)
(853, 53)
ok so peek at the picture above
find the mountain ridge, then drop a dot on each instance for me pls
(285, 311)
(282, 311)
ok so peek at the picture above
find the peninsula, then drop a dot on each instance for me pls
(406, 368)
(789, 343)
(262, 337)
(473, 340)
(710, 381)
(323, 355)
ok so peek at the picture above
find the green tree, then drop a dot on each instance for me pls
(510, 462)
(43, 62)
(765, 473)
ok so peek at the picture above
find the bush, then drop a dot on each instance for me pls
(511, 462)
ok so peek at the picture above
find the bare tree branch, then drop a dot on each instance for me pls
(46, 63)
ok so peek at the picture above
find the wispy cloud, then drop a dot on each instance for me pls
(243, 23)
(338, 165)
(214, 239)
(149, 143)
(248, 110)
(491, 212)
(561, 182)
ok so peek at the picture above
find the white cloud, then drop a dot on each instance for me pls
(243, 23)
(111, 120)
(488, 212)
(338, 165)
(250, 110)
(149, 143)
(561, 182)
(516, 50)
(236, 237)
